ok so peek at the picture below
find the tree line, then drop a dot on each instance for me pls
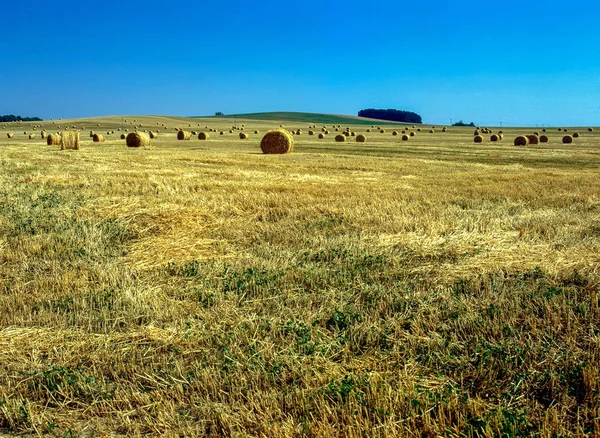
(393, 115)
(13, 118)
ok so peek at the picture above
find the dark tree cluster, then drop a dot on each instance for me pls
(391, 114)
(461, 123)
(12, 118)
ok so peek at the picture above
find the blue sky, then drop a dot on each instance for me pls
(518, 62)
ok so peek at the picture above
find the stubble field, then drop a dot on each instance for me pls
(434, 287)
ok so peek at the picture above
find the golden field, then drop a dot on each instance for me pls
(434, 287)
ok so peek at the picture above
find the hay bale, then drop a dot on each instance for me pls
(533, 139)
(321, 135)
(256, 131)
(544, 138)
(340, 138)
(521, 140)
(277, 141)
(299, 132)
(431, 131)
(31, 136)
(69, 140)
(537, 133)
(476, 132)
(382, 131)
(243, 136)
(122, 136)
(221, 133)
(326, 131)
(184, 135)
(98, 138)
(311, 132)
(53, 140)
(353, 134)
(203, 136)
(444, 129)
(368, 130)
(567, 139)
(478, 139)
(412, 133)
(576, 135)
(494, 137)
(137, 139)
(405, 137)
(360, 138)
(10, 135)
(43, 134)
(590, 129)
(153, 134)
(395, 133)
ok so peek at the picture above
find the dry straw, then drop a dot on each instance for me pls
(31, 136)
(521, 140)
(69, 140)
(10, 135)
(277, 141)
(137, 139)
(184, 135)
(98, 138)
(340, 138)
(203, 136)
(533, 139)
(360, 138)
(153, 134)
(53, 139)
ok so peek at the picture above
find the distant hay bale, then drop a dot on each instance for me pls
(98, 138)
(43, 134)
(53, 139)
(337, 129)
(153, 134)
(69, 140)
(405, 137)
(412, 133)
(340, 138)
(565, 130)
(544, 138)
(590, 129)
(368, 130)
(576, 135)
(476, 132)
(431, 131)
(494, 137)
(221, 133)
(321, 135)
(521, 140)
(567, 139)
(194, 133)
(311, 132)
(382, 131)
(122, 136)
(203, 136)
(559, 129)
(533, 139)
(31, 136)
(231, 131)
(243, 136)
(544, 130)
(137, 139)
(256, 131)
(184, 135)
(353, 134)
(299, 132)
(360, 138)
(10, 135)
(478, 139)
(395, 133)
(418, 129)
(326, 131)
(277, 141)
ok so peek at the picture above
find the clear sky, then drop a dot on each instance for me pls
(517, 62)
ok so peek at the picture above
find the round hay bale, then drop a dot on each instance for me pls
(521, 140)
(321, 135)
(10, 135)
(533, 139)
(122, 136)
(476, 132)
(382, 131)
(565, 130)
(184, 135)
(544, 138)
(544, 130)
(405, 137)
(221, 133)
(153, 134)
(137, 139)
(353, 134)
(567, 139)
(494, 137)
(360, 138)
(368, 130)
(53, 139)
(311, 132)
(194, 133)
(243, 136)
(31, 136)
(277, 141)
(299, 132)
(326, 131)
(412, 133)
(537, 133)
(340, 138)
(43, 134)
(256, 131)
(395, 133)
(203, 136)
(431, 131)
(231, 131)
(576, 135)
(418, 129)
(559, 129)
(590, 129)
(444, 129)
(478, 139)
(98, 138)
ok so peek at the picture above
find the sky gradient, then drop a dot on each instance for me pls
(520, 63)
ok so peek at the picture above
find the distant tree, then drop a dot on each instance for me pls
(461, 123)
(219, 113)
(13, 118)
(393, 115)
